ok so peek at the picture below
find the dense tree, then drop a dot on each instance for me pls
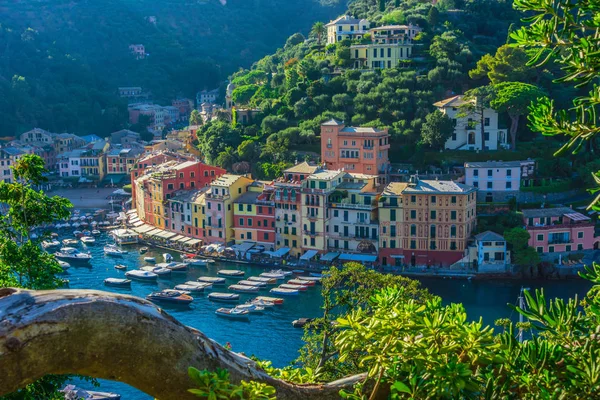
(509, 64)
(436, 130)
(195, 118)
(514, 98)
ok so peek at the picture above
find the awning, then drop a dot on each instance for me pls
(138, 223)
(144, 228)
(165, 234)
(281, 252)
(243, 247)
(153, 232)
(131, 212)
(358, 257)
(193, 242)
(330, 256)
(308, 255)
(180, 238)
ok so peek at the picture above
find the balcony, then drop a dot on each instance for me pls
(341, 235)
(313, 191)
(353, 206)
(214, 196)
(560, 241)
(311, 233)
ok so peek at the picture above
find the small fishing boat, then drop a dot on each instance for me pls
(50, 244)
(297, 271)
(260, 285)
(121, 267)
(73, 255)
(114, 251)
(213, 280)
(54, 235)
(96, 232)
(231, 273)
(294, 287)
(141, 275)
(88, 239)
(193, 287)
(143, 250)
(232, 313)
(64, 265)
(224, 297)
(301, 322)
(73, 392)
(157, 270)
(261, 303)
(167, 257)
(271, 275)
(177, 267)
(280, 272)
(251, 308)
(170, 296)
(284, 292)
(70, 242)
(310, 278)
(204, 285)
(244, 289)
(274, 300)
(117, 282)
(301, 282)
(316, 275)
(150, 260)
(197, 262)
(268, 281)
(77, 233)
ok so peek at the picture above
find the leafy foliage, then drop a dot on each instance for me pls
(436, 130)
(216, 385)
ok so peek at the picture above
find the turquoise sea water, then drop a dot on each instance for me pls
(271, 335)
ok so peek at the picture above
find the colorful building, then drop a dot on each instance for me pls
(88, 162)
(492, 255)
(346, 27)
(496, 180)
(120, 160)
(186, 207)
(218, 222)
(437, 220)
(8, 158)
(558, 230)
(362, 150)
(254, 216)
(390, 45)
(288, 215)
(467, 128)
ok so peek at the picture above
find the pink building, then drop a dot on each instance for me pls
(557, 230)
(361, 150)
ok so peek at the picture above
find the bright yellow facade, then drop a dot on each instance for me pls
(380, 56)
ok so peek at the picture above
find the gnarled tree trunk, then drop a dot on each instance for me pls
(118, 337)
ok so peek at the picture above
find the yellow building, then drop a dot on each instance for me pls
(315, 214)
(391, 220)
(218, 221)
(346, 27)
(390, 45)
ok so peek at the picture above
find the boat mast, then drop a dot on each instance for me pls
(522, 307)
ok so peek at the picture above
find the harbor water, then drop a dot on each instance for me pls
(271, 335)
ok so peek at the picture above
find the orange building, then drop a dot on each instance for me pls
(362, 150)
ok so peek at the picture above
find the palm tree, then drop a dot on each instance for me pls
(319, 30)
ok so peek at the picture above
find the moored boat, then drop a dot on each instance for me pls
(167, 257)
(310, 278)
(70, 242)
(150, 260)
(141, 275)
(224, 297)
(301, 322)
(231, 273)
(177, 267)
(197, 262)
(157, 270)
(73, 255)
(171, 296)
(192, 288)
(244, 289)
(121, 267)
(268, 281)
(73, 392)
(261, 303)
(271, 275)
(143, 250)
(280, 272)
(284, 292)
(232, 313)
(50, 244)
(214, 280)
(251, 308)
(301, 282)
(64, 265)
(297, 271)
(260, 285)
(117, 282)
(301, 288)
(114, 251)
(274, 300)
(88, 239)
(96, 232)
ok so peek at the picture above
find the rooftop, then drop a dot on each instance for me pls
(434, 186)
(455, 101)
(555, 212)
(248, 198)
(344, 19)
(226, 180)
(332, 122)
(489, 236)
(325, 175)
(494, 164)
(302, 168)
(395, 188)
(361, 129)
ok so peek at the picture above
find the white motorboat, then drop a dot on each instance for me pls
(150, 260)
(177, 267)
(73, 255)
(167, 257)
(244, 289)
(121, 267)
(64, 265)
(275, 300)
(280, 272)
(160, 271)
(171, 296)
(272, 275)
(232, 313)
(73, 392)
(311, 278)
(261, 303)
(70, 242)
(268, 281)
(197, 262)
(260, 285)
(300, 288)
(96, 232)
(213, 280)
(112, 250)
(224, 297)
(50, 244)
(141, 275)
(117, 282)
(251, 308)
(231, 273)
(193, 287)
(302, 282)
(284, 292)
(88, 239)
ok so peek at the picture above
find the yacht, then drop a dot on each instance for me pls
(73, 255)
(50, 244)
(88, 239)
(171, 296)
(141, 275)
(112, 250)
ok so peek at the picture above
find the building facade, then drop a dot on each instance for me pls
(390, 46)
(492, 255)
(254, 217)
(558, 230)
(497, 181)
(121, 160)
(467, 127)
(8, 158)
(346, 27)
(362, 150)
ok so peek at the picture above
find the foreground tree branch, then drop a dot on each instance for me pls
(118, 337)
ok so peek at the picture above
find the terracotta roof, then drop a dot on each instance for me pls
(302, 168)
(395, 188)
